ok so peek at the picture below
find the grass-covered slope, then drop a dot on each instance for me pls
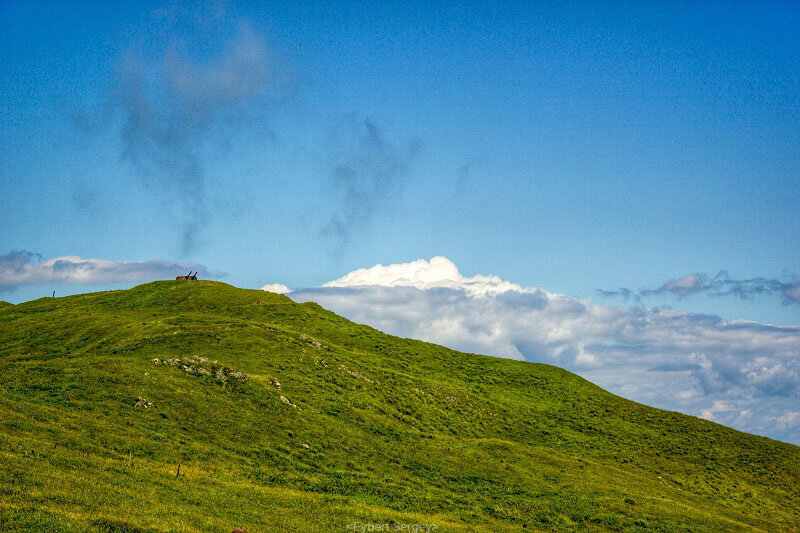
(365, 428)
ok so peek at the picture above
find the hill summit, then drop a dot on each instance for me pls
(178, 406)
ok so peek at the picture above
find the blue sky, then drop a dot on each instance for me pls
(573, 147)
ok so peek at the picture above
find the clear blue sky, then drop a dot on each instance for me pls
(572, 147)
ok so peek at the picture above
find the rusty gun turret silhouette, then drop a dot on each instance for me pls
(190, 276)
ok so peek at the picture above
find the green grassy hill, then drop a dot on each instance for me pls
(285, 416)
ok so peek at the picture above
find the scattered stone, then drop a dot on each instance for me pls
(239, 530)
(357, 375)
(313, 342)
(141, 402)
(192, 366)
(241, 377)
(306, 446)
(275, 383)
(286, 400)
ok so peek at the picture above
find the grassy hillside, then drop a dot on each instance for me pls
(285, 416)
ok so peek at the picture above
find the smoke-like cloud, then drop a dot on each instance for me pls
(176, 107)
(367, 169)
(19, 268)
(720, 285)
(173, 110)
(740, 373)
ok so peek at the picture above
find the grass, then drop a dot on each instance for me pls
(366, 428)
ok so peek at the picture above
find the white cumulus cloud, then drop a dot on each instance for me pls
(688, 362)
(278, 288)
(789, 419)
(422, 274)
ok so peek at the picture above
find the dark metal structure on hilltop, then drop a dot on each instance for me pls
(190, 276)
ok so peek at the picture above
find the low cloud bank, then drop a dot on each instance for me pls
(743, 374)
(19, 268)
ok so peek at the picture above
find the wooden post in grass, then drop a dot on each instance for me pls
(178, 474)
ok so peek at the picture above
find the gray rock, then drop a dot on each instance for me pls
(141, 402)
(241, 377)
(286, 400)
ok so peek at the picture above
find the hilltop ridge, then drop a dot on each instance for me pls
(196, 405)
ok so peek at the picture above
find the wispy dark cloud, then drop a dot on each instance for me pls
(172, 110)
(175, 108)
(621, 292)
(19, 268)
(680, 287)
(463, 178)
(720, 285)
(367, 168)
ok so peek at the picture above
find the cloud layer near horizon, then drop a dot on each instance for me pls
(25, 268)
(743, 374)
(720, 285)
